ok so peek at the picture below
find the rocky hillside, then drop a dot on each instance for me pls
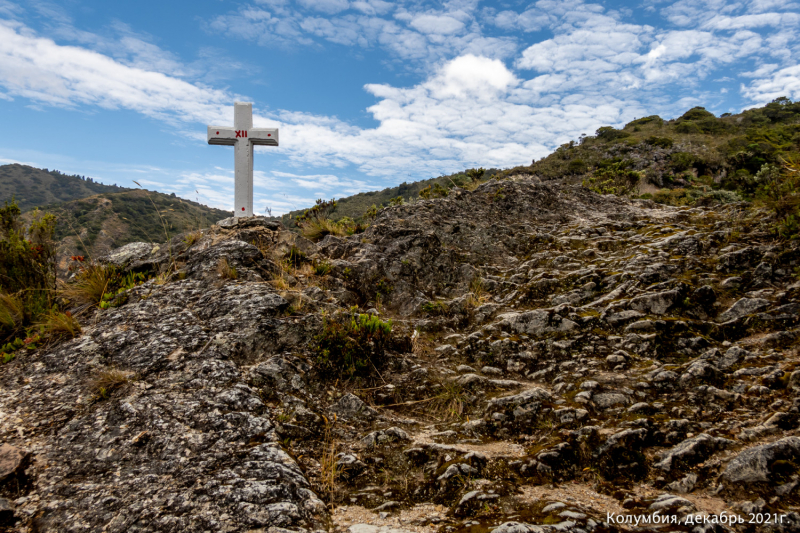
(558, 361)
(94, 218)
(96, 225)
(33, 187)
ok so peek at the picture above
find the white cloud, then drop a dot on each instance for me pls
(39, 69)
(440, 24)
(409, 33)
(326, 6)
(325, 182)
(785, 82)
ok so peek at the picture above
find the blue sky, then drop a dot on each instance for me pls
(367, 93)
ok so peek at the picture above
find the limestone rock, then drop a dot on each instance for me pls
(756, 464)
(691, 451)
(351, 406)
(743, 307)
(13, 461)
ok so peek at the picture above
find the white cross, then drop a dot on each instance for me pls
(243, 136)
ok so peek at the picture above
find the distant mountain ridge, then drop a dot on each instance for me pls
(94, 218)
(34, 187)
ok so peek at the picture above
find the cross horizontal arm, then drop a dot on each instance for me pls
(221, 135)
(263, 136)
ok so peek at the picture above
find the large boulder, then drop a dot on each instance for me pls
(537, 323)
(691, 452)
(655, 304)
(13, 461)
(763, 464)
(743, 307)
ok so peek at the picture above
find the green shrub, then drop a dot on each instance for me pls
(724, 197)
(27, 269)
(435, 308)
(607, 133)
(655, 119)
(697, 113)
(577, 166)
(680, 161)
(688, 126)
(788, 227)
(780, 188)
(431, 191)
(613, 176)
(352, 344)
(676, 197)
(661, 142)
(476, 174)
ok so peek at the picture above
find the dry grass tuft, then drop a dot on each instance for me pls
(279, 282)
(316, 228)
(108, 380)
(306, 269)
(58, 324)
(476, 295)
(89, 285)
(328, 468)
(192, 237)
(450, 403)
(226, 270)
(12, 311)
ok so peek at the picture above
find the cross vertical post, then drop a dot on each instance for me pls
(242, 137)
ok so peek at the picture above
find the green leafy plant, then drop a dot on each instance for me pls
(27, 269)
(322, 268)
(660, 142)
(352, 344)
(435, 308)
(613, 177)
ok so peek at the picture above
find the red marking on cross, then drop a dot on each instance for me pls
(243, 209)
(238, 133)
(269, 135)
(217, 133)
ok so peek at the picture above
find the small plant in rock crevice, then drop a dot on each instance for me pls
(329, 470)
(613, 177)
(106, 381)
(322, 268)
(352, 344)
(99, 285)
(226, 270)
(60, 325)
(435, 308)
